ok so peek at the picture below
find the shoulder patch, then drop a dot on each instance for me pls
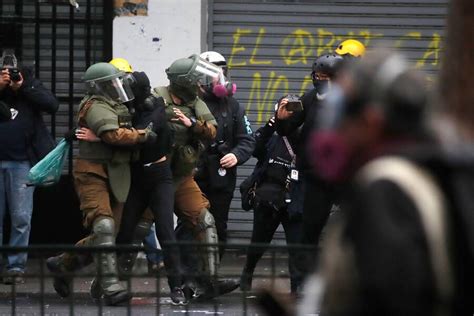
(247, 125)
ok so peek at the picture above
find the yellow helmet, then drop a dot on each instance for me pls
(121, 64)
(351, 47)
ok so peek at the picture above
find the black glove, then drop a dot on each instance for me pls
(70, 135)
(150, 135)
(151, 103)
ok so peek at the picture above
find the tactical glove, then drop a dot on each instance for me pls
(150, 135)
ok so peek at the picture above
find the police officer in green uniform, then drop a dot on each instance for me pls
(192, 124)
(102, 173)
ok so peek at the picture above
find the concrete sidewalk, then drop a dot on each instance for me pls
(39, 298)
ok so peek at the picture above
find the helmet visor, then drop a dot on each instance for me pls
(209, 74)
(117, 89)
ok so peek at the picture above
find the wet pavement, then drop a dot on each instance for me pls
(39, 298)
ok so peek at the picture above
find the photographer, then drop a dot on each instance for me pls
(233, 146)
(24, 140)
(277, 180)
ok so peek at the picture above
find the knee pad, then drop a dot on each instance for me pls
(206, 220)
(104, 230)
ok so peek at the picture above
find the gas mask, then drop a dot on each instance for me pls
(219, 85)
(331, 155)
(225, 89)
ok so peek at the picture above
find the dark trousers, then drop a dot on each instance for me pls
(152, 187)
(318, 200)
(265, 222)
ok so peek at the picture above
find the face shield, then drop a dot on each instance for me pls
(117, 89)
(209, 74)
(213, 79)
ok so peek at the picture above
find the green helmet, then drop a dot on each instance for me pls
(101, 71)
(186, 74)
(181, 71)
(106, 80)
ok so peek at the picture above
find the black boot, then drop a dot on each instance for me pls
(61, 282)
(246, 280)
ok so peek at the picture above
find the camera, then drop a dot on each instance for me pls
(8, 61)
(294, 103)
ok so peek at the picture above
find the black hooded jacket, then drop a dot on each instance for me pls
(25, 136)
(234, 135)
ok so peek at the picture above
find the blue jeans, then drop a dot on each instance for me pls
(150, 241)
(16, 197)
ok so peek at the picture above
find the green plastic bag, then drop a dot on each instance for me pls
(48, 170)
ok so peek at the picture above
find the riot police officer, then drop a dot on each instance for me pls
(101, 170)
(233, 145)
(192, 124)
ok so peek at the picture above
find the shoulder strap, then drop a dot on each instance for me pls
(421, 188)
(290, 151)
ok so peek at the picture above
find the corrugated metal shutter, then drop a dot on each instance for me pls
(60, 42)
(270, 46)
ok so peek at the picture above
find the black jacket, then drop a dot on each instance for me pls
(153, 113)
(234, 135)
(26, 137)
(305, 119)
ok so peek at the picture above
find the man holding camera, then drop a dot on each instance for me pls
(233, 146)
(318, 196)
(24, 140)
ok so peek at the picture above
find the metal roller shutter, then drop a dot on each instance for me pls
(270, 46)
(60, 42)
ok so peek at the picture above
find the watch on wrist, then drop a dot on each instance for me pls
(193, 122)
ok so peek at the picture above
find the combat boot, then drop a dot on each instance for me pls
(62, 283)
(219, 288)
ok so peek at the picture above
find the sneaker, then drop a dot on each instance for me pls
(177, 297)
(62, 284)
(14, 276)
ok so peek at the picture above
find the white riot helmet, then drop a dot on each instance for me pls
(220, 89)
(214, 57)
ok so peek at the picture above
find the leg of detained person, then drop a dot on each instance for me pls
(137, 201)
(265, 223)
(162, 207)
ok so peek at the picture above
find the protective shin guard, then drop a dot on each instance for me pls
(207, 234)
(114, 292)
